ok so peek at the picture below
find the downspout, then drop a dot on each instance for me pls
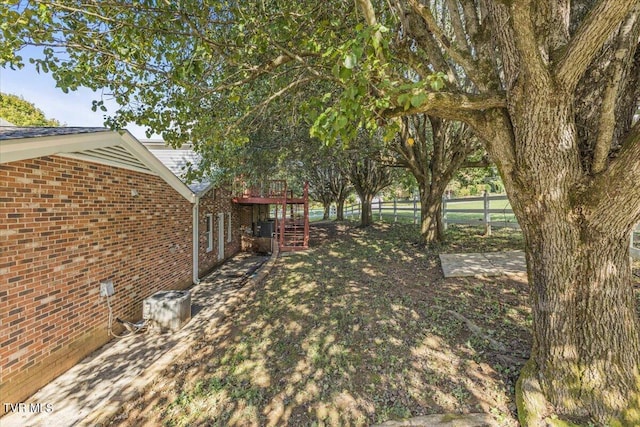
(196, 242)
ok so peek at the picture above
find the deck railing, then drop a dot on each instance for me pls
(275, 188)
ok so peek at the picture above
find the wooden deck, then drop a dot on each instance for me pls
(291, 212)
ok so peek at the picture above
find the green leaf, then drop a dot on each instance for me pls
(437, 84)
(358, 51)
(335, 70)
(390, 132)
(418, 100)
(345, 73)
(405, 100)
(350, 61)
(340, 122)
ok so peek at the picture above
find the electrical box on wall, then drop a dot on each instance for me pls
(106, 288)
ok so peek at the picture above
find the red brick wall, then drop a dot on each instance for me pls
(213, 202)
(66, 225)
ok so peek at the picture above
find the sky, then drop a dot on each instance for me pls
(70, 109)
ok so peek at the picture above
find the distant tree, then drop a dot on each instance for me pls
(20, 112)
(325, 167)
(319, 186)
(367, 172)
(340, 188)
(433, 150)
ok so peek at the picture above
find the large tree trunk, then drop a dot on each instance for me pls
(585, 329)
(431, 227)
(327, 211)
(366, 215)
(340, 209)
(586, 344)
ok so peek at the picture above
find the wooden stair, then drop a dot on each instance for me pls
(291, 212)
(293, 228)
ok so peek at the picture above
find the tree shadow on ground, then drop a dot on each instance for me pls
(356, 331)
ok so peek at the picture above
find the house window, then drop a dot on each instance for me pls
(209, 234)
(229, 227)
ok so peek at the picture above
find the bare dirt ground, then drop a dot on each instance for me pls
(361, 329)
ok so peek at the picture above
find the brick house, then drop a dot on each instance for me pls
(79, 206)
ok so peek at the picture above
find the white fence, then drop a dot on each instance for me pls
(396, 210)
(486, 211)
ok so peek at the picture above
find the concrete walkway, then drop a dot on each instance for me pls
(483, 264)
(92, 391)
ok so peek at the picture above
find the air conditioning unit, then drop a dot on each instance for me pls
(167, 310)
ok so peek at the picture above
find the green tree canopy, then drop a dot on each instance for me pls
(20, 112)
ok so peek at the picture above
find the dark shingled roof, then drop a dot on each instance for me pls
(17, 132)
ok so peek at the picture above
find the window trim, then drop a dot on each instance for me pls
(209, 232)
(220, 240)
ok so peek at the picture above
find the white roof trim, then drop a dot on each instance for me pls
(156, 165)
(83, 146)
(13, 150)
(206, 190)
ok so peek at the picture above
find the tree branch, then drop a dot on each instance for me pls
(470, 18)
(370, 17)
(453, 106)
(299, 59)
(464, 60)
(627, 39)
(427, 42)
(529, 52)
(483, 163)
(623, 173)
(408, 57)
(458, 27)
(589, 39)
(496, 18)
(258, 71)
(270, 99)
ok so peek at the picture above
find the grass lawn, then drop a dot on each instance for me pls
(358, 330)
